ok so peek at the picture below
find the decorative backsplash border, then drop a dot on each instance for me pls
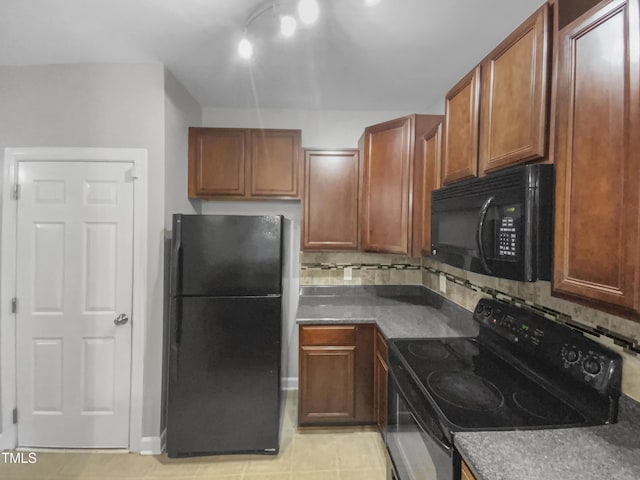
(630, 345)
(359, 266)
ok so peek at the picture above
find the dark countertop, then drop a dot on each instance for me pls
(399, 311)
(609, 452)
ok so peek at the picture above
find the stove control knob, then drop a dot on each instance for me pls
(591, 365)
(479, 308)
(488, 311)
(571, 355)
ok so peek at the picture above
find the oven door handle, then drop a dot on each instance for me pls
(401, 392)
(481, 219)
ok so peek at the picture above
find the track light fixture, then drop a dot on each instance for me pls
(308, 13)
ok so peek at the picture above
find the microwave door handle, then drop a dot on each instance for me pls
(480, 230)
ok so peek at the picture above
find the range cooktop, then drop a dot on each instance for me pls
(521, 372)
(475, 389)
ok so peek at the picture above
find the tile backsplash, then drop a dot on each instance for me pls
(622, 335)
(466, 288)
(364, 268)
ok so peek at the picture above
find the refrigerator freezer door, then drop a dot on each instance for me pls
(224, 376)
(218, 255)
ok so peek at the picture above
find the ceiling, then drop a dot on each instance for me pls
(397, 55)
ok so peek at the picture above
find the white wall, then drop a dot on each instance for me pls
(320, 128)
(99, 105)
(181, 111)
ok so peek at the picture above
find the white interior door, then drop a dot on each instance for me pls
(74, 279)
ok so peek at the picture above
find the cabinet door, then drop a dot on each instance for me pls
(327, 388)
(515, 86)
(465, 473)
(275, 156)
(217, 161)
(330, 199)
(386, 186)
(432, 158)
(461, 129)
(380, 385)
(598, 120)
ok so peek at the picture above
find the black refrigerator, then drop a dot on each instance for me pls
(225, 335)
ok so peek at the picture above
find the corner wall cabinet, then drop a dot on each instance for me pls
(597, 222)
(243, 164)
(391, 191)
(330, 200)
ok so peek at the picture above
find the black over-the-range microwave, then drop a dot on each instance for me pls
(499, 225)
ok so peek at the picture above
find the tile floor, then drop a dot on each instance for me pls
(344, 454)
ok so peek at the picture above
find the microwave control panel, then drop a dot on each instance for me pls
(507, 247)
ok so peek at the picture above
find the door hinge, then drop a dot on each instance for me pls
(134, 173)
(16, 191)
(14, 305)
(15, 416)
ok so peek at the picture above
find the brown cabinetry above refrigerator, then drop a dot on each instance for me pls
(244, 164)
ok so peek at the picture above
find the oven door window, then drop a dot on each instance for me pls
(416, 454)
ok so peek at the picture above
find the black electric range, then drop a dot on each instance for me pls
(522, 371)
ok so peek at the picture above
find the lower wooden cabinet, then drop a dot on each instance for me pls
(380, 382)
(336, 375)
(465, 472)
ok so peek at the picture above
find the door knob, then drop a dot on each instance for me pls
(121, 319)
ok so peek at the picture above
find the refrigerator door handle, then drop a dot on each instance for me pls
(176, 334)
(176, 257)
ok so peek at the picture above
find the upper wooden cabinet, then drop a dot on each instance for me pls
(275, 156)
(217, 161)
(391, 190)
(462, 107)
(330, 200)
(240, 164)
(511, 89)
(515, 90)
(597, 241)
(431, 160)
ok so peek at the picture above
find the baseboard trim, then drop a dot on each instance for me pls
(290, 383)
(152, 445)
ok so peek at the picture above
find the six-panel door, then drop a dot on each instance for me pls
(75, 247)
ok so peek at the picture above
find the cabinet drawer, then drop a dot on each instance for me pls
(328, 335)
